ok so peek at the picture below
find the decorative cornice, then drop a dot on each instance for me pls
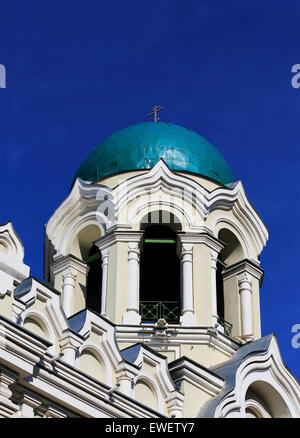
(204, 379)
(62, 263)
(245, 266)
(118, 236)
(201, 238)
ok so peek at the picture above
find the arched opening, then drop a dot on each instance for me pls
(94, 280)
(84, 249)
(220, 288)
(160, 274)
(226, 300)
(233, 251)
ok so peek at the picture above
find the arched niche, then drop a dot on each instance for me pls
(145, 394)
(83, 241)
(160, 295)
(36, 326)
(92, 364)
(262, 400)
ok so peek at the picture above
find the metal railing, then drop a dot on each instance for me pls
(152, 311)
(226, 325)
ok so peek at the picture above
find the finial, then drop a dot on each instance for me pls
(154, 112)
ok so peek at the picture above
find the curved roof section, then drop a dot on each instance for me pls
(141, 146)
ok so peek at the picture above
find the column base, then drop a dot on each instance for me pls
(188, 319)
(131, 317)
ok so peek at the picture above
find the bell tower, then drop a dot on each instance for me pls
(171, 239)
(150, 307)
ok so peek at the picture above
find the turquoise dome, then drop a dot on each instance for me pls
(141, 146)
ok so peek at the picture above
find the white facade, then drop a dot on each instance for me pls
(61, 359)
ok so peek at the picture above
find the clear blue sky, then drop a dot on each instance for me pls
(79, 70)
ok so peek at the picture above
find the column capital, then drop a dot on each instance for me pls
(245, 277)
(69, 273)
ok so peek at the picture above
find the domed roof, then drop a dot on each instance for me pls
(141, 146)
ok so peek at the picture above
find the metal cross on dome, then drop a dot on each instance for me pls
(154, 112)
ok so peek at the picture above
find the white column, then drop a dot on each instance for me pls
(104, 254)
(132, 315)
(126, 375)
(214, 256)
(69, 276)
(245, 290)
(187, 312)
(69, 344)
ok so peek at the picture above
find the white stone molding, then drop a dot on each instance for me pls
(268, 368)
(252, 268)
(10, 242)
(62, 263)
(185, 369)
(92, 323)
(17, 309)
(27, 294)
(176, 338)
(42, 320)
(54, 412)
(81, 207)
(162, 383)
(20, 348)
(29, 403)
(7, 407)
(191, 199)
(257, 408)
(12, 268)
